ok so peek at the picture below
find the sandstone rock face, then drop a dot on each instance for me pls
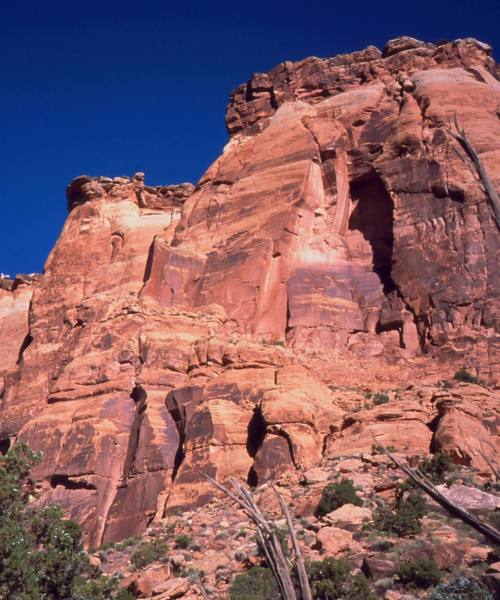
(15, 298)
(341, 242)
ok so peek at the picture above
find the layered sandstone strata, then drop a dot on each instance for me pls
(343, 238)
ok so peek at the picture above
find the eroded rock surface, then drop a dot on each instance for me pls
(341, 243)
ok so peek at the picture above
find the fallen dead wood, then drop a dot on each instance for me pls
(202, 589)
(299, 559)
(430, 489)
(275, 557)
(494, 200)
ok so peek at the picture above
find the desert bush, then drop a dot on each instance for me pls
(337, 494)
(460, 588)
(421, 572)
(148, 552)
(332, 579)
(119, 546)
(437, 467)
(380, 398)
(41, 552)
(257, 583)
(466, 377)
(183, 541)
(405, 518)
(126, 543)
(102, 588)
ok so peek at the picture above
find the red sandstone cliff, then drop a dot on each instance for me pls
(343, 238)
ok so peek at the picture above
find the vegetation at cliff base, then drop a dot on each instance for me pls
(148, 552)
(332, 579)
(337, 494)
(183, 541)
(464, 376)
(257, 583)
(421, 572)
(41, 552)
(405, 518)
(380, 398)
(437, 467)
(461, 588)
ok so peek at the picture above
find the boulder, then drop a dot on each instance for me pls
(150, 579)
(470, 498)
(334, 540)
(349, 515)
(377, 568)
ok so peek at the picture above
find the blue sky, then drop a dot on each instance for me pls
(111, 88)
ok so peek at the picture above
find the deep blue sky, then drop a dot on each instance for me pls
(115, 87)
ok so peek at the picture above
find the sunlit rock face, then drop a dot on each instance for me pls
(342, 241)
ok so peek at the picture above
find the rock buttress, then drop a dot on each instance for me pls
(343, 238)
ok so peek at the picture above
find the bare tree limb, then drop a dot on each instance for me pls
(270, 559)
(271, 545)
(493, 197)
(301, 567)
(203, 591)
(415, 475)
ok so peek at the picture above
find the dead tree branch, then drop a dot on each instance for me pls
(203, 591)
(494, 199)
(267, 536)
(423, 483)
(269, 541)
(299, 559)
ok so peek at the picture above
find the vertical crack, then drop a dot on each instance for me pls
(256, 432)
(26, 342)
(178, 413)
(139, 396)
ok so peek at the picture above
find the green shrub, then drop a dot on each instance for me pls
(148, 552)
(464, 375)
(331, 579)
(119, 546)
(257, 583)
(461, 588)
(183, 541)
(405, 518)
(41, 552)
(124, 595)
(437, 467)
(337, 494)
(421, 572)
(126, 543)
(380, 398)
(101, 589)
